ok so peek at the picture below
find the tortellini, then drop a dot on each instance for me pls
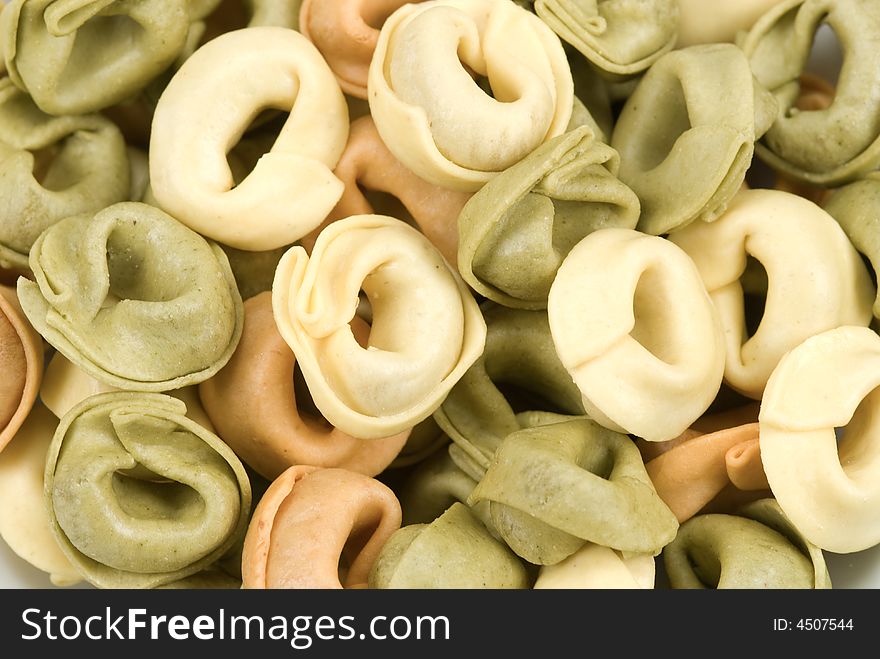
(426, 330)
(52, 168)
(318, 528)
(515, 232)
(139, 495)
(453, 551)
(757, 548)
(146, 305)
(369, 171)
(80, 56)
(630, 308)
(827, 489)
(425, 95)
(839, 143)
(21, 363)
(686, 135)
(621, 38)
(292, 188)
(346, 33)
(826, 286)
(554, 487)
(259, 410)
(695, 472)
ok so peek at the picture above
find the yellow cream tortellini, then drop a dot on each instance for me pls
(595, 566)
(554, 487)
(145, 304)
(139, 495)
(631, 309)
(24, 520)
(78, 56)
(826, 487)
(426, 98)
(836, 144)
(515, 232)
(686, 135)
(427, 329)
(756, 548)
(816, 279)
(51, 168)
(292, 187)
(621, 38)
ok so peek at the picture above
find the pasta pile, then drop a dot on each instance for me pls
(441, 294)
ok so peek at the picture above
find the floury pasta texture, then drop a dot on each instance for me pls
(658, 337)
(426, 326)
(183, 505)
(292, 187)
(441, 294)
(146, 305)
(89, 170)
(828, 286)
(433, 117)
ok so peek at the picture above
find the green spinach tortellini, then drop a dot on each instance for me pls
(687, 134)
(516, 231)
(621, 38)
(77, 56)
(51, 168)
(833, 145)
(134, 298)
(554, 487)
(139, 495)
(453, 551)
(756, 548)
(856, 207)
(519, 369)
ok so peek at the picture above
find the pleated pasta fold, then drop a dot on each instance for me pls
(426, 331)
(426, 99)
(139, 495)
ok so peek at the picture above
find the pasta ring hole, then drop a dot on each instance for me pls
(826, 55)
(385, 203)
(256, 140)
(857, 445)
(705, 564)
(305, 405)
(143, 497)
(480, 81)
(125, 30)
(816, 90)
(755, 282)
(44, 160)
(132, 276)
(655, 327)
(658, 142)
